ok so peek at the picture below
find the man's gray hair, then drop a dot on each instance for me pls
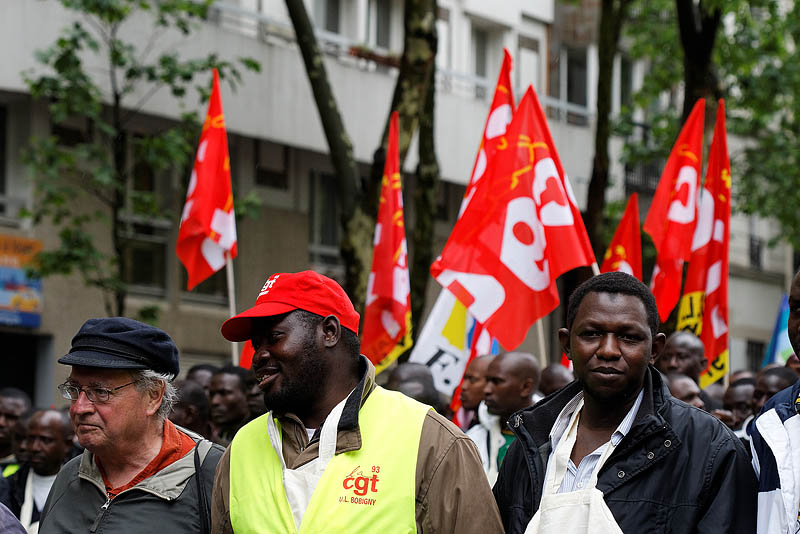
(147, 380)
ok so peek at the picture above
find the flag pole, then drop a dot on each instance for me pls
(231, 303)
(595, 269)
(542, 351)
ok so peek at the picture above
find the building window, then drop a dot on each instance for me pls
(271, 165)
(214, 288)
(756, 248)
(145, 232)
(480, 40)
(529, 64)
(443, 31)
(379, 17)
(324, 224)
(326, 15)
(756, 252)
(145, 244)
(755, 354)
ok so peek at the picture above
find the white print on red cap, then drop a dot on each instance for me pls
(268, 285)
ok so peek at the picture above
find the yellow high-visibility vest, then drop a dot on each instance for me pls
(371, 489)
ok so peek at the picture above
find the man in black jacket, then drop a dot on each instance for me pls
(644, 461)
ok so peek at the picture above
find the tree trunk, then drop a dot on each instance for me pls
(698, 27)
(359, 207)
(612, 17)
(355, 226)
(424, 209)
(408, 99)
(119, 144)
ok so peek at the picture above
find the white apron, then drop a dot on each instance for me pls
(26, 511)
(300, 483)
(576, 512)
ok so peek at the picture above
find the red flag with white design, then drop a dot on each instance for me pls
(672, 217)
(500, 113)
(517, 235)
(208, 226)
(704, 304)
(624, 253)
(387, 315)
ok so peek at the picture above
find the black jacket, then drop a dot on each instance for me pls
(12, 492)
(678, 470)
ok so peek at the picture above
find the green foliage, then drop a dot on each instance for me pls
(755, 62)
(95, 153)
(764, 107)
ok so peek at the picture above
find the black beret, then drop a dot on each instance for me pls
(122, 343)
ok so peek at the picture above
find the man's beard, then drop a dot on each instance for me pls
(298, 393)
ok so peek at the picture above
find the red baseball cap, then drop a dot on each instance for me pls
(285, 292)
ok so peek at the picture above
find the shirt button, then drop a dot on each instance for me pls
(667, 443)
(580, 484)
(621, 474)
(650, 455)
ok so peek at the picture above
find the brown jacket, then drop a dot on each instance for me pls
(452, 493)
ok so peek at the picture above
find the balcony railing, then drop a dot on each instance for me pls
(270, 30)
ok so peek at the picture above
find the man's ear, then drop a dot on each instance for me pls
(528, 388)
(563, 339)
(154, 398)
(657, 347)
(331, 331)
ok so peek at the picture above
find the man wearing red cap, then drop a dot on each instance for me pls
(336, 452)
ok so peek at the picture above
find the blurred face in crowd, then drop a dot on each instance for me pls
(255, 398)
(202, 377)
(739, 401)
(21, 449)
(684, 388)
(228, 399)
(554, 377)
(509, 387)
(767, 385)
(474, 382)
(610, 345)
(106, 427)
(683, 353)
(50, 442)
(794, 314)
(11, 409)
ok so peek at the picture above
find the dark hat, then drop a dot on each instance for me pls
(122, 343)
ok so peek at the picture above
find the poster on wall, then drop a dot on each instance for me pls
(20, 296)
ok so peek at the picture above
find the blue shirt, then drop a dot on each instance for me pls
(577, 478)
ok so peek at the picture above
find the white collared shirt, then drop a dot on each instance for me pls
(576, 478)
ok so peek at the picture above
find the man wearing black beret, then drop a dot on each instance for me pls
(139, 472)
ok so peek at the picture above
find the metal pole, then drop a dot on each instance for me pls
(595, 269)
(231, 303)
(542, 350)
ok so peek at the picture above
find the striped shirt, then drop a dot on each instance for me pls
(577, 478)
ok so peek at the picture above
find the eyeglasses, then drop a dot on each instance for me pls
(94, 394)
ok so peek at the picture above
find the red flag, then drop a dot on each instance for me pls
(208, 226)
(625, 250)
(387, 315)
(500, 113)
(673, 213)
(246, 357)
(518, 234)
(704, 305)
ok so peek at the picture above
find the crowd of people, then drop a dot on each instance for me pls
(307, 441)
